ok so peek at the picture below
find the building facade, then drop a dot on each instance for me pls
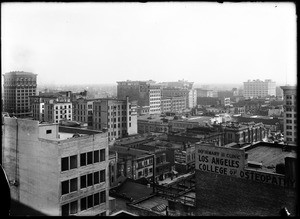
(245, 181)
(171, 92)
(290, 113)
(118, 117)
(56, 170)
(37, 106)
(18, 86)
(244, 132)
(258, 88)
(154, 99)
(204, 93)
(192, 100)
(83, 111)
(147, 125)
(57, 110)
(146, 93)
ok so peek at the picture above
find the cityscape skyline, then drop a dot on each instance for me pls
(105, 43)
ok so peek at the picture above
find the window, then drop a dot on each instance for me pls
(68, 186)
(90, 179)
(102, 155)
(65, 187)
(73, 185)
(96, 156)
(102, 197)
(73, 162)
(64, 163)
(83, 159)
(83, 181)
(74, 207)
(65, 210)
(90, 201)
(90, 157)
(49, 131)
(83, 204)
(96, 177)
(102, 176)
(96, 199)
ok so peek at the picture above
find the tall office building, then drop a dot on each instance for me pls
(18, 86)
(146, 93)
(290, 113)
(258, 88)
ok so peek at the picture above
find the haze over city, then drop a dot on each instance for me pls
(96, 43)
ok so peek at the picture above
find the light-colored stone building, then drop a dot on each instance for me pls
(56, 170)
(290, 113)
(258, 88)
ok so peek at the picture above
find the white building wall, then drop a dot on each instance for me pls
(33, 166)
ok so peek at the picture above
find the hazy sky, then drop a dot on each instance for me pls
(67, 43)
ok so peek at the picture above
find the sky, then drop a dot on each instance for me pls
(96, 43)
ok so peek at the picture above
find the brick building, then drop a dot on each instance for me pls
(245, 181)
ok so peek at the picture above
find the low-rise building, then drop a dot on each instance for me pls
(56, 170)
(208, 101)
(246, 132)
(133, 163)
(153, 124)
(185, 158)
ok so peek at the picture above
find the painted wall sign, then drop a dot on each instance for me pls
(220, 160)
(231, 162)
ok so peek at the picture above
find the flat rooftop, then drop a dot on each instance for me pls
(268, 156)
(134, 190)
(154, 203)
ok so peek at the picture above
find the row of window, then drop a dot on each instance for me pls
(290, 139)
(288, 115)
(61, 107)
(291, 133)
(68, 163)
(61, 116)
(92, 157)
(85, 203)
(92, 179)
(71, 185)
(290, 121)
(291, 127)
